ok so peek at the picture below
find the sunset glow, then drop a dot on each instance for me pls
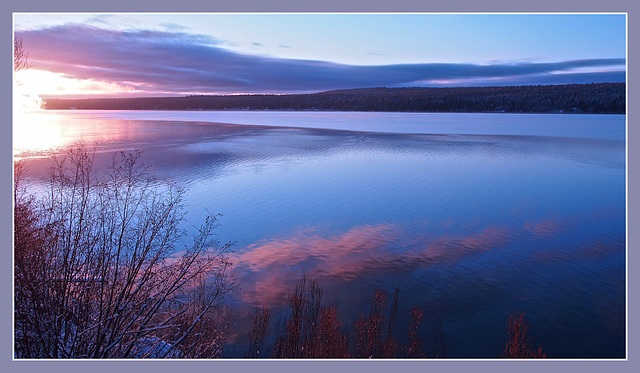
(34, 136)
(31, 87)
(41, 84)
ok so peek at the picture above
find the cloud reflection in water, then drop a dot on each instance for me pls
(268, 268)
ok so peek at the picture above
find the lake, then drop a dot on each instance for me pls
(472, 217)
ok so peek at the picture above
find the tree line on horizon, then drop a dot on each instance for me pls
(593, 98)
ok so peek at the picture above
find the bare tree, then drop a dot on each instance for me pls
(20, 55)
(100, 272)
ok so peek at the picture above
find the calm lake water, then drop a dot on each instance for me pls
(472, 216)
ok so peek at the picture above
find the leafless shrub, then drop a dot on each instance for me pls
(440, 349)
(415, 349)
(372, 340)
(99, 272)
(259, 325)
(519, 345)
(311, 330)
(304, 304)
(329, 340)
(31, 253)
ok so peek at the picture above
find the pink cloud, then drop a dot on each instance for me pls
(269, 268)
(543, 228)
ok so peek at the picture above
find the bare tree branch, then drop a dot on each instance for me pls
(20, 55)
(103, 269)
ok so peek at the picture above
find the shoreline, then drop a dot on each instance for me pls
(600, 98)
(340, 111)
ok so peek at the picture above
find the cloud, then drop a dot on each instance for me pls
(179, 63)
(269, 267)
(543, 228)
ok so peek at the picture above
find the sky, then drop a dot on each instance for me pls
(158, 54)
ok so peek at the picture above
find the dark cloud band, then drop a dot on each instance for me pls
(179, 63)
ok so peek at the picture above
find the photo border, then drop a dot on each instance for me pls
(490, 6)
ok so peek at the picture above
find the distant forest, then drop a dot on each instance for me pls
(597, 98)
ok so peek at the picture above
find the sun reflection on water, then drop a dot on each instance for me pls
(30, 133)
(35, 133)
